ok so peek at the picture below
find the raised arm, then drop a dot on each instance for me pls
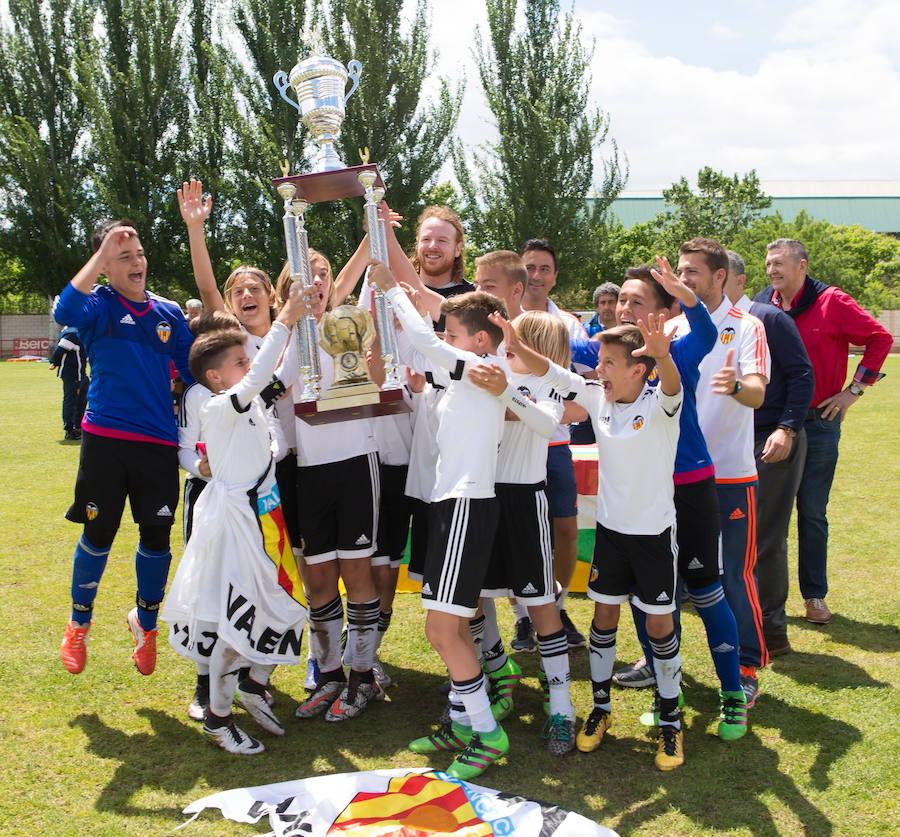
(420, 334)
(352, 271)
(656, 345)
(403, 269)
(261, 370)
(195, 210)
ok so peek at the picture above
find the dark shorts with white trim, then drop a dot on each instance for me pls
(522, 557)
(460, 536)
(109, 470)
(394, 512)
(641, 567)
(337, 508)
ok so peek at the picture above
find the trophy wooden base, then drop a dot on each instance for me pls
(330, 185)
(354, 405)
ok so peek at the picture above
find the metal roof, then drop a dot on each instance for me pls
(874, 205)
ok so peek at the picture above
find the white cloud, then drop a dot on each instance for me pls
(809, 111)
(823, 103)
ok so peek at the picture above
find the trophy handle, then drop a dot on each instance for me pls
(282, 85)
(354, 71)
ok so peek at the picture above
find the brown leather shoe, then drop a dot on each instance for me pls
(817, 612)
(778, 645)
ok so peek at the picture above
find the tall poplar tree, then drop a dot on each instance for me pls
(534, 181)
(42, 189)
(135, 88)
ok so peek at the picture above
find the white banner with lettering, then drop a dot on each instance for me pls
(407, 802)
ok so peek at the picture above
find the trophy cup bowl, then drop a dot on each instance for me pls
(318, 83)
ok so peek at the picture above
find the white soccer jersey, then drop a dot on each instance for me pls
(726, 424)
(195, 396)
(636, 444)
(393, 435)
(423, 454)
(523, 448)
(234, 424)
(573, 324)
(279, 442)
(470, 420)
(323, 443)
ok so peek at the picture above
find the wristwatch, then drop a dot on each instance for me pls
(738, 386)
(789, 430)
(856, 389)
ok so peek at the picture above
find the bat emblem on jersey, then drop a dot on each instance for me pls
(638, 423)
(163, 331)
(91, 511)
(727, 335)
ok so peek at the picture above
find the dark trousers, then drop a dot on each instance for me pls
(822, 438)
(74, 401)
(737, 511)
(778, 484)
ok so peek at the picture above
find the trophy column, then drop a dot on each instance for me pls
(298, 262)
(384, 315)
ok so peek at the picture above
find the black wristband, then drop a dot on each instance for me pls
(738, 386)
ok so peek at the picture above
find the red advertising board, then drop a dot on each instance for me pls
(39, 346)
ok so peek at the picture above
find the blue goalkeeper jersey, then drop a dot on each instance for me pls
(130, 346)
(692, 460)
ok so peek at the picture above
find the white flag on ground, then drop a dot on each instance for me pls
(407, 802)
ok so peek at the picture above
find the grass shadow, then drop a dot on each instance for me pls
(867, 636)
(749, 768)
(825, 671)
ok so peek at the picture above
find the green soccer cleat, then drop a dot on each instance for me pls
(450, 736)
(732, 715)
(482, 751)
(504, 679)
(545, 689)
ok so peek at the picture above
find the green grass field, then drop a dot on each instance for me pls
(109, 752)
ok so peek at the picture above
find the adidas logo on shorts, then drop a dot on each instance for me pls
(426, 589)
(529, 589)
(695, 564)
(127, 319)
(362, 540)
(165, 511)
(724, 648)
(662, 597)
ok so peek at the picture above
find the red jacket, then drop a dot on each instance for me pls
(829, 322)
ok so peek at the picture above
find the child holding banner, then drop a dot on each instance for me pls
(238, 585)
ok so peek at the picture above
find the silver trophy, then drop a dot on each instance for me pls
(384, 315)
(318, 83)
(298, 262)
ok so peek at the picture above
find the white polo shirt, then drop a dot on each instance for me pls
(727, 425)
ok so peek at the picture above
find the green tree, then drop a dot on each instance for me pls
(534, 181)
(865, 264)
(407, 136)
(42, 118)
(134, 85)
(721, 208)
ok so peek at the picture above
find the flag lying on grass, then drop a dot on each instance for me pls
(408, 802)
